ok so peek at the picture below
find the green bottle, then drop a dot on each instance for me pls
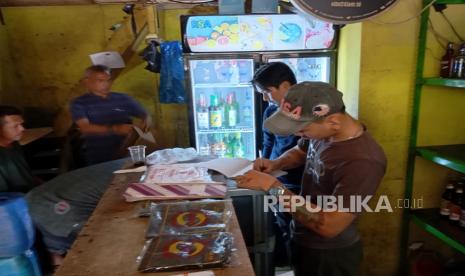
(216, 118)
(232, 110)
(229, 149)
(238, 147)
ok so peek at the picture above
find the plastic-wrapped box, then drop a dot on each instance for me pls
(187, 217)
(190, 251)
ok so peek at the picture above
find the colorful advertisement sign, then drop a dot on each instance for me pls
(243, 33)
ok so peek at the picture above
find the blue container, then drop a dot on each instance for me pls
(264, 6)
(231, 7)
(22, 265)
(16, 228)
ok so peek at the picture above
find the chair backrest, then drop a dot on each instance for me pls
(73, 157)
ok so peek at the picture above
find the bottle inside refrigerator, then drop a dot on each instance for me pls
(224, 107)
(308, 68)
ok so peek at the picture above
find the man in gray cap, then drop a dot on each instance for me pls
(341, 161)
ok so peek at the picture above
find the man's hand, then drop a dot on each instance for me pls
(256, 180)
(265, 165)
(122, 129)
(147, 123)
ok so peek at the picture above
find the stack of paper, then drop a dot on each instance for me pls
(232, 167)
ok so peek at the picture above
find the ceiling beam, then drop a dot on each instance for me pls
(26, 3)
(23, 3)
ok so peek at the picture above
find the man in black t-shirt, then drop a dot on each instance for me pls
(342, 160)
(15, 175)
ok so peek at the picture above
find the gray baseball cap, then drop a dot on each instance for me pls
(303, 104)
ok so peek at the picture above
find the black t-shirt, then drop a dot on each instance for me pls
(15, 174)
(345, 168)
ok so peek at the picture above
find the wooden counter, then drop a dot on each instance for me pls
(114, 236)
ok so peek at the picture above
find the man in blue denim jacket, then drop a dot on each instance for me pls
(273, 80)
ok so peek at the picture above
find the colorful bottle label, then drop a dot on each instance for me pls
(445, 208)
(215, 118)
(203, 119)
(232, 117)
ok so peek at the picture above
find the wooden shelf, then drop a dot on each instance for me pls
(455, 83)
(450, 2)
(430, 221)
(450, 156)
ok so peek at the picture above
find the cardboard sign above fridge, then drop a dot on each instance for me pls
(256, 33)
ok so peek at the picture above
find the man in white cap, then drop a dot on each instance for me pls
(342, 160)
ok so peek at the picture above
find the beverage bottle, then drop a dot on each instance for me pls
(222, 148)
(455, 208)
(458, 67)
(231, 111)
(214, 144)
(447, 61)
(246, 111)
(218, 146)
(229, 149)
(236, 106)
(215, 112)
(225, 72)
(204, 147)
(203, 113)
(462, 214)
(244, 72)
(204, 72)
(199, 72)
(234, 72)
(222, 108)
(238, 148)
(226, 111)
(444, 210)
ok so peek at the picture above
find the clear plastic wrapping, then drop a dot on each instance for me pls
(189, 251)
(171, 156)
(177, 173)
(187, 217)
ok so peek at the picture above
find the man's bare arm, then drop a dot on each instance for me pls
(292, 158)
(327, 224)
(95, 129)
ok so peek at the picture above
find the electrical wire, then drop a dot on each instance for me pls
(439, 38)
(405, 20)
(451, 26)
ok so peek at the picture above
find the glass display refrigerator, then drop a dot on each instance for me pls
(221, 53)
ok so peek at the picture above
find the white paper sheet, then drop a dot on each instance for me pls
(111, 59)
(232, 167)
(148, 136)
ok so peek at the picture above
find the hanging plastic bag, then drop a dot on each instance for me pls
(152, 55)
(172, 73)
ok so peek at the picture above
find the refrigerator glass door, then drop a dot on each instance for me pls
(223, 107)
(308, 68)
